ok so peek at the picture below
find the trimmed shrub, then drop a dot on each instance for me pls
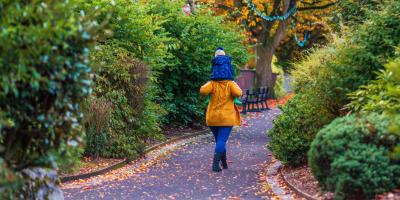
(44, 76)
(291, 135)
(193, 40)
(350, 156)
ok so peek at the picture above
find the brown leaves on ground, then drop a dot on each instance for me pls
(303, 179)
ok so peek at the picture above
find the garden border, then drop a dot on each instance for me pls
(294, 188)
(272, 171)
(127, 161)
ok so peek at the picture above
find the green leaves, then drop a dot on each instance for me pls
(381, 95)
(296, 128)
(44, 77)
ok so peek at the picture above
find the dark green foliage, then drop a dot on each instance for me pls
(44, 75)
(350, 156)
(123, 83)
(292, 134)
(192, 45)
(132, 28)
(8, 181)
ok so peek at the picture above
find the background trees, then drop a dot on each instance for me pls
(270, 32)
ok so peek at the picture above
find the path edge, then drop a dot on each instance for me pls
(273, 171)
(65, 179)
(294, 188)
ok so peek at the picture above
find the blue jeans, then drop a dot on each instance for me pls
(221, 135)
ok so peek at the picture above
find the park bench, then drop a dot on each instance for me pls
(253, 98)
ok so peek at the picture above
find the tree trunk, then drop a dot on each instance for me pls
(264, 66)
(266, 50)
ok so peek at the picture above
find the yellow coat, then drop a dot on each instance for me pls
(221, 110)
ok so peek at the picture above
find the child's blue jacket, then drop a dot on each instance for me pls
(222, 68)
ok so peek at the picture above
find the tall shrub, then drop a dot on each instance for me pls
(123, 78)
(124, 83)
(192, 45)
(356, 59)
(43, 78)
(304, 115)
(96, 122)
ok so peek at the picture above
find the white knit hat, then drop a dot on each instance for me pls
(219, 52)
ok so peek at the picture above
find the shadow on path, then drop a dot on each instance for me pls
(186, 172)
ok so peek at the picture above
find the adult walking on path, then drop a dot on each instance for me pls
(222, 114)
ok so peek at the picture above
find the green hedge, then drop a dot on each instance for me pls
(350, 156)
(44, 76)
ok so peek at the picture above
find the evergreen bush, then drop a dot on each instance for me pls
(350, 156)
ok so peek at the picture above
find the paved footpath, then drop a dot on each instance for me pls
(186, 172)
